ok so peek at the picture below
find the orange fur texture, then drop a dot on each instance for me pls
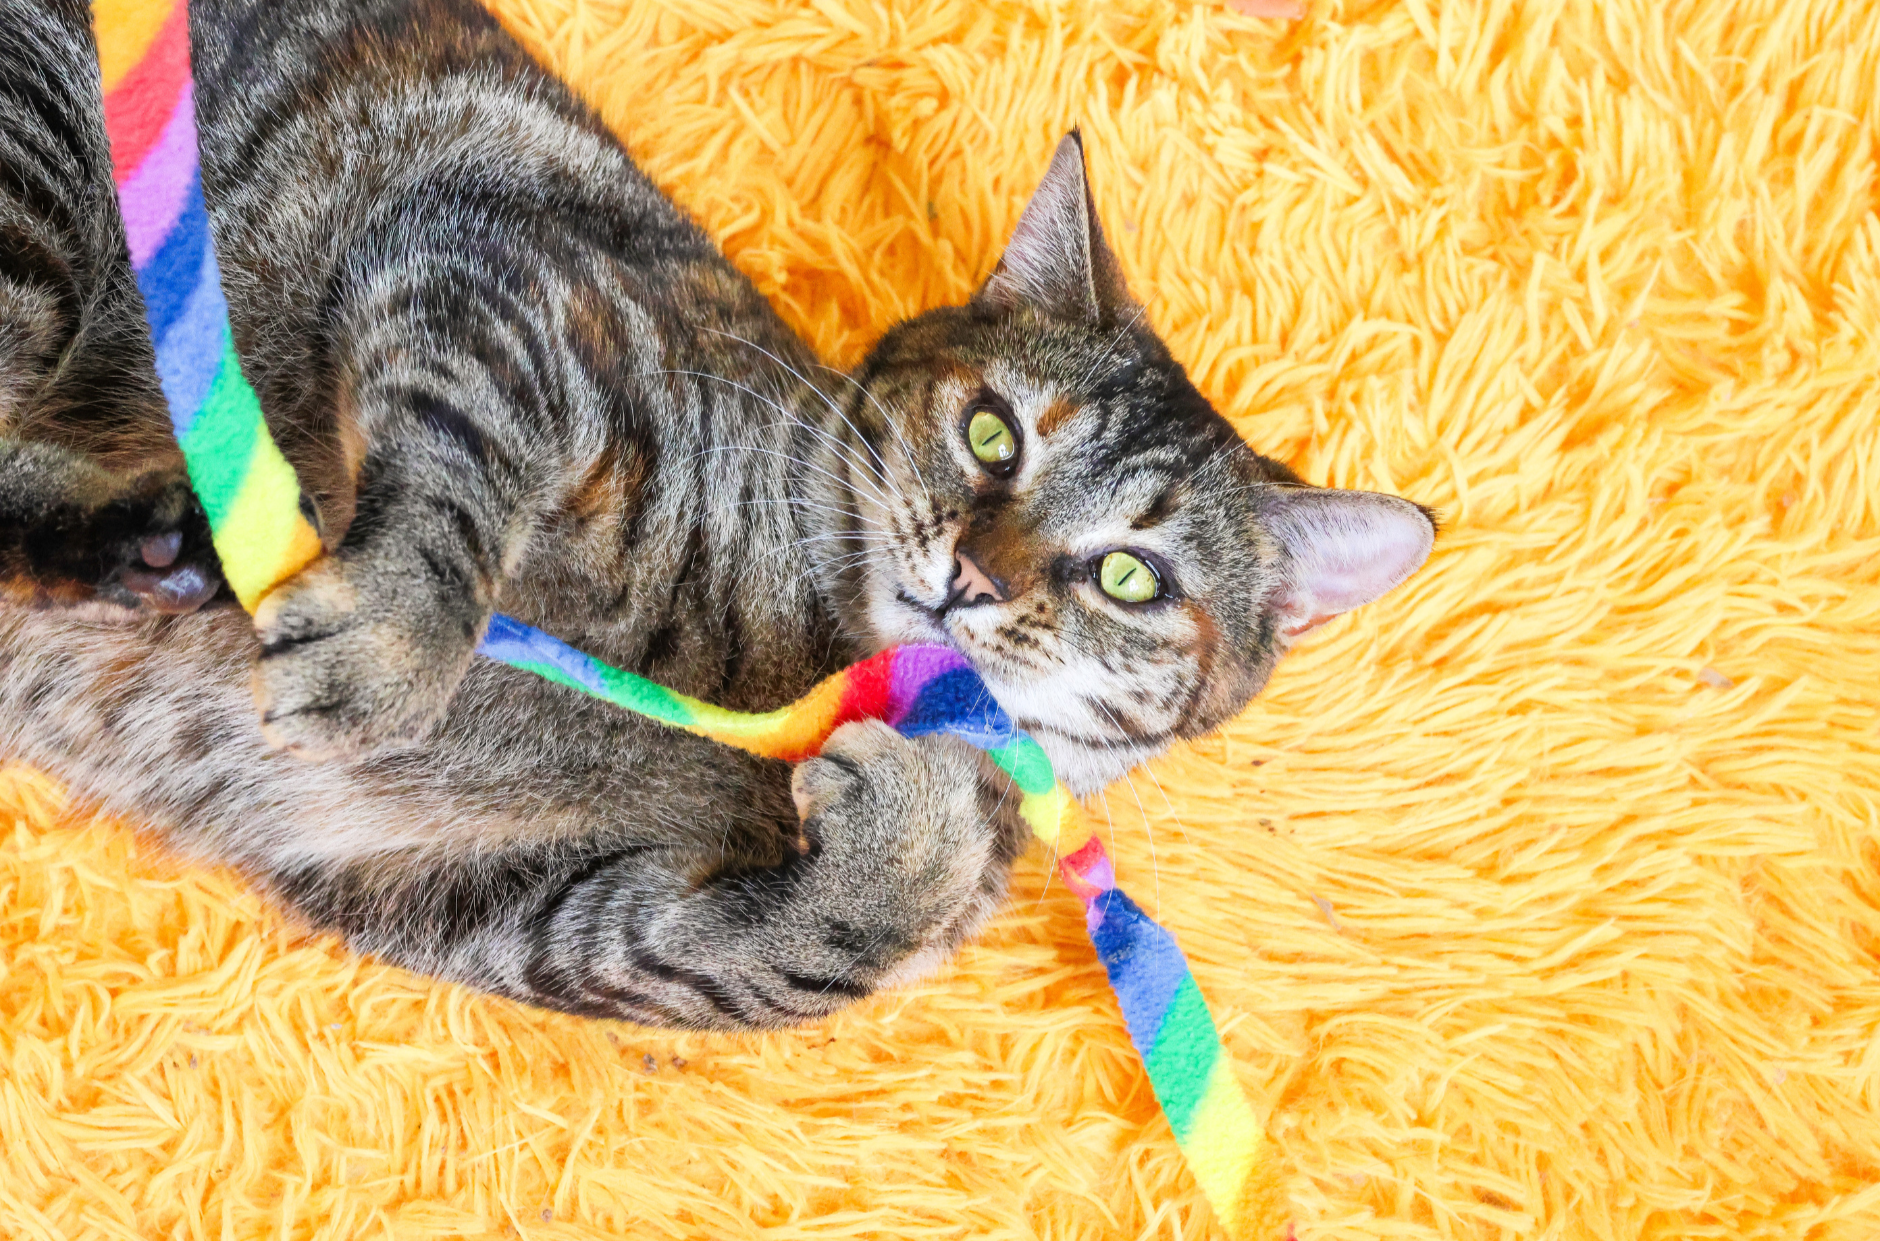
(1540, 900)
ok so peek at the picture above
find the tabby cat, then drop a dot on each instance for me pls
(513, 375)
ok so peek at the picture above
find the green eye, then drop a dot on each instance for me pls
(1124, 577)
(991, 439)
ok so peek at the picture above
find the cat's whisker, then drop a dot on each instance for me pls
(833, 407)
(855, 554)
(1173, 813)
(841, 451)
(862, 478)
(1116, 342)
(847, 457)
(1150, 772)
(789, 419)
(1217, 457)
(859, 516)
(771, 452)
(1109, 820)
(799, 544)
(1148, 828)
(886, 419)
(866, 555)
(835, 562)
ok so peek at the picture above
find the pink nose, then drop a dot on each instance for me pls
(971, 584)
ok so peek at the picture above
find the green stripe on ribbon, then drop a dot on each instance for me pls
(636, 693)
(222, 438)
(1186, 1046)
(1024, 760)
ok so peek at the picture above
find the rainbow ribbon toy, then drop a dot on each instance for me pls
(246, 486)
(263, 537)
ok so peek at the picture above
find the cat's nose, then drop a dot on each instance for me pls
(972, 584)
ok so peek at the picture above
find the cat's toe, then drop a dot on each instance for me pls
(915, 836)
(344, 671)
(842, 771)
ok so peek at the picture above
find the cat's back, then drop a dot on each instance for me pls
(332, 131)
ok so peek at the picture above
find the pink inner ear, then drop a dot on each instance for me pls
(1347, 548)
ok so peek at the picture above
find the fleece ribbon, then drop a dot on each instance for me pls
(262, 536)
(246, 486)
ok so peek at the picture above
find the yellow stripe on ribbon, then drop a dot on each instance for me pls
(263, 539)
(1223, 1146)
(125, 30)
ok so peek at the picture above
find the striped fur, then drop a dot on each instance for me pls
(512, 375)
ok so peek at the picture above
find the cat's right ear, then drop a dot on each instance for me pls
(1343, 549)
(1057, 262)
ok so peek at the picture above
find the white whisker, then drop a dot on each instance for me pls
(1116, 342)
(826, 508)
(789, 420)
(1148, 828)
(771, 452)
(886, 418)
(833, 407)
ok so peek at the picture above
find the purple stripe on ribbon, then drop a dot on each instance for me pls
(152, 197)
(914, 667)
(1102, 877)
(190, 352)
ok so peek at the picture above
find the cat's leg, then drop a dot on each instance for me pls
(539, 844)
(899, 850)
(366, 646)
(72, 532)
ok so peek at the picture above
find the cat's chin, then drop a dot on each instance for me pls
(1084, 767)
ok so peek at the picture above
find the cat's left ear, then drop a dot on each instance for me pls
(1343, 549)
(1057, 262)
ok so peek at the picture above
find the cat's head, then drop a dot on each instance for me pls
(1043, 488)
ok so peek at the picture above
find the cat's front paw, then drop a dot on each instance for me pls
(914, 841)
(361, 654)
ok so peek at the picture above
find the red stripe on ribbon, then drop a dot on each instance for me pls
(1075, 866)
(867, 690)
(136, 112)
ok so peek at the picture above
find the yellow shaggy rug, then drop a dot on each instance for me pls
(1541, 900)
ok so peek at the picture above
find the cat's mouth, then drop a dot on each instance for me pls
(930, 619)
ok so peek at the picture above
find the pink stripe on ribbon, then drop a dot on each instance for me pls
(1088, 872)
(152, 197)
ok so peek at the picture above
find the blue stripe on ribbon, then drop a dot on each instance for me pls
(190, 352)
(958, 702)
(1145, 966)
(509, 641)
(173, 273)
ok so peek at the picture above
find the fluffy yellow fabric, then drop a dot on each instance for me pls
(1540, 900)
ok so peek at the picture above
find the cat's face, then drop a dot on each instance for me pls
(1041, 487)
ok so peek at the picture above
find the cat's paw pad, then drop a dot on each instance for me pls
(357, 658)
(162, 555)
